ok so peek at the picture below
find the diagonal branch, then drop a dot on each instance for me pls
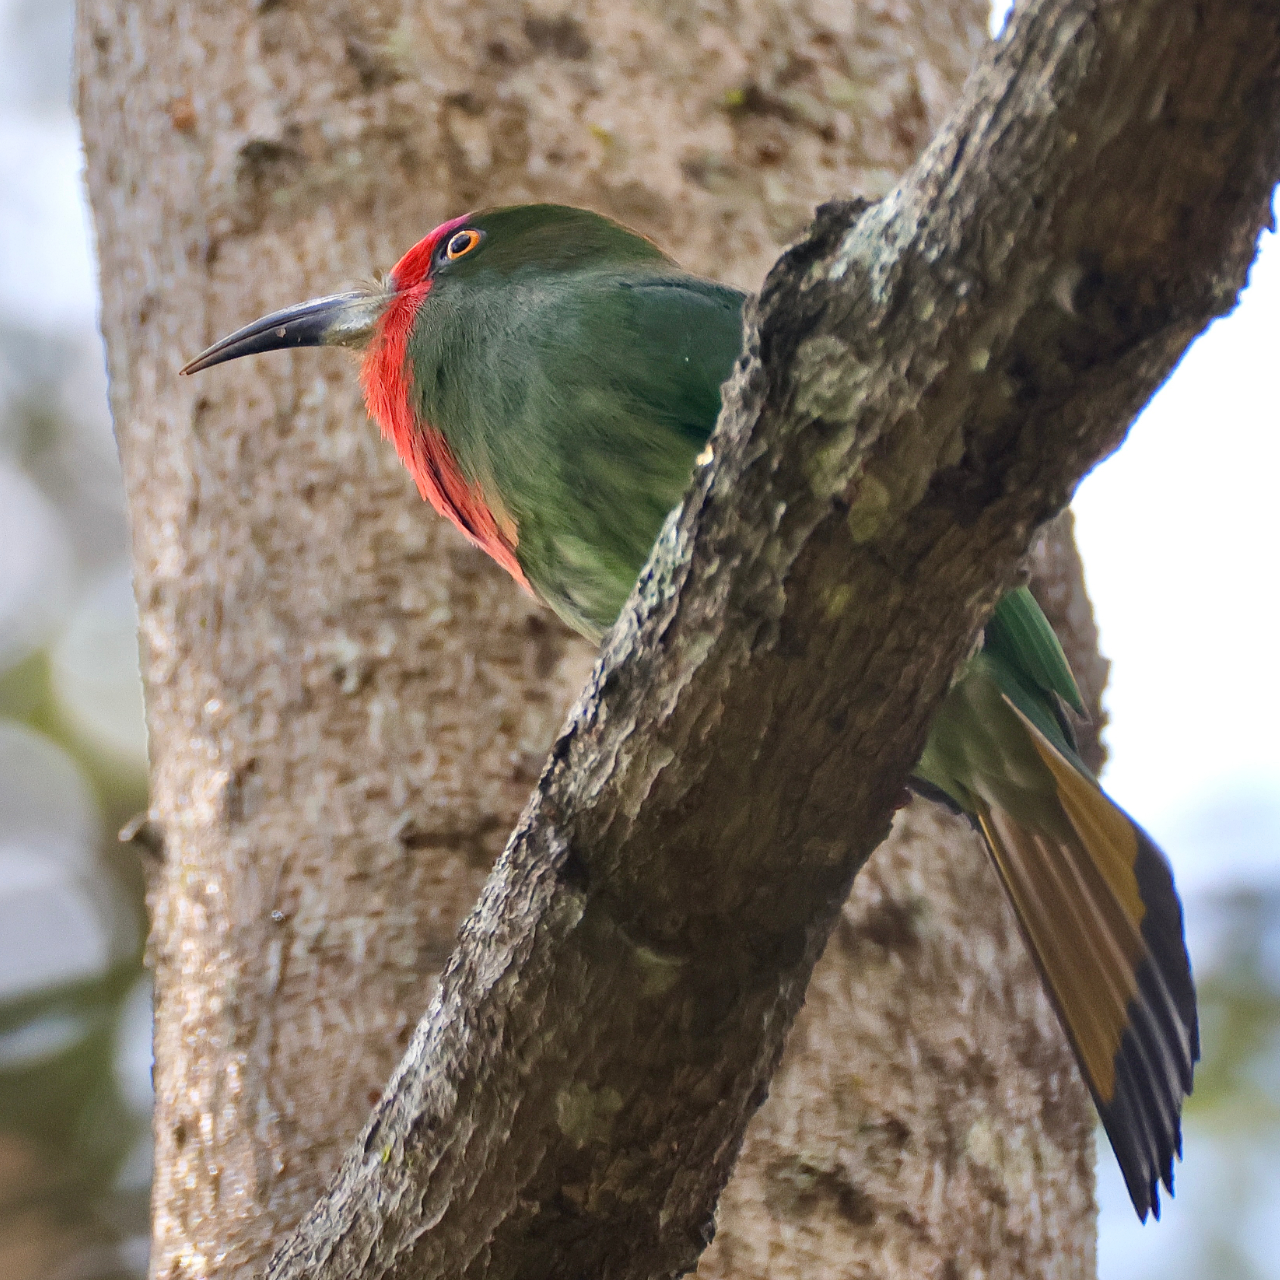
(926, 381)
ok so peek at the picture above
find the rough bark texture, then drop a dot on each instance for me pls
(925, 383)
(347, 705)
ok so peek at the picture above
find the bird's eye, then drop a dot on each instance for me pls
(460, 243)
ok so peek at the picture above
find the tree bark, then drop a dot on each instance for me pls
(346, 703)
(911, 408)
(336, 751)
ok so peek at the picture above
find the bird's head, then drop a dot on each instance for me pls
(359, 316)
(497, 242)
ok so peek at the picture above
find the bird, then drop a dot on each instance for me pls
(550, 379)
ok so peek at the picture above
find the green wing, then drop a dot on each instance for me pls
(583, 401)
(1031, 668)
(688, 333)
(1019, 631)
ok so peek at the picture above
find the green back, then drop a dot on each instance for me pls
(977, 746)
(575, 372)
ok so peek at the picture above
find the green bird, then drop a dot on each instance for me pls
(549, 378)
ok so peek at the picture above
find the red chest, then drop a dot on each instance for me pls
(387, 379)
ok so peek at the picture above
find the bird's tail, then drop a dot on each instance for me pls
(1096, 901)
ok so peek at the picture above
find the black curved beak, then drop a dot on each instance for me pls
(341, 320)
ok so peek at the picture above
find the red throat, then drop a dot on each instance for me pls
(387, 379)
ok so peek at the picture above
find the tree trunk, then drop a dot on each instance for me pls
(347, 704)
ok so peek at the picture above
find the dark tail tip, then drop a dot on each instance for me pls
(1155, 1061)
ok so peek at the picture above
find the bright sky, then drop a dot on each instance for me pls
(1180, 532)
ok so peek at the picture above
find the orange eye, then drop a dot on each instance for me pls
(460, 243)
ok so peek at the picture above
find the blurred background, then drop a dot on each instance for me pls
(75, 1004)
(1179, 533)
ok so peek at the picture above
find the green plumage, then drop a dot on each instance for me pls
(1021, 660)
(575, 371)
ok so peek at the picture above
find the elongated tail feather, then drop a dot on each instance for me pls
(1093, 895)
(1096, 902)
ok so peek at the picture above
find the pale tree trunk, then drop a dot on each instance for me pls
(347, 705)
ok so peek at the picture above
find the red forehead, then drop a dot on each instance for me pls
(413, 268)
